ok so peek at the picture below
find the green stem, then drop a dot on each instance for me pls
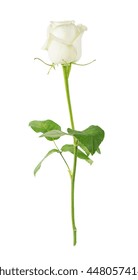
(66, 71)
(72, 197)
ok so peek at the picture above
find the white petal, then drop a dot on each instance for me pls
(77, 41)
(66, 32)
(57, 23)
(60, 53)
(77, 46)
(81, 28)
(45, 46)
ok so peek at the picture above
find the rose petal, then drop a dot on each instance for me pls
(66, 32)
(61, 53)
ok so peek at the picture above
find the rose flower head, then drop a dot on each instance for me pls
(64, 41)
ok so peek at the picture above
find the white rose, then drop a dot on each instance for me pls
(64, 41)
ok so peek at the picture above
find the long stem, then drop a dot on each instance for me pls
(72, 197)
(66, 71)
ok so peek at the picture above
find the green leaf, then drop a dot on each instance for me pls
(98, 151)
(84, 148)
(45, 126)
(48, 154)
(80, 154)
(54, 134)
(91, 137)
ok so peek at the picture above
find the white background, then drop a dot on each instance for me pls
(35, 225)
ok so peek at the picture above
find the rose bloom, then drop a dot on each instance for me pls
(64, 41)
